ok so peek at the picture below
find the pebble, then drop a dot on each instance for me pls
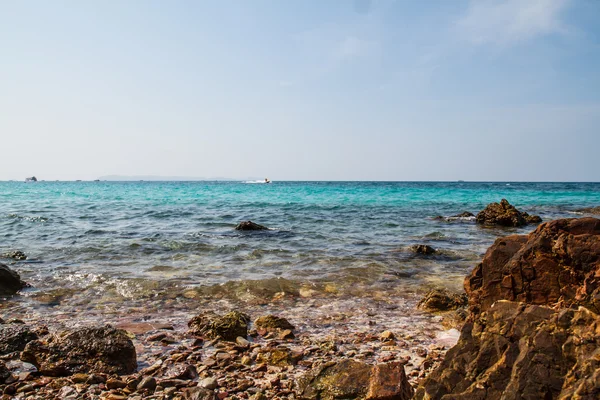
(209, 383)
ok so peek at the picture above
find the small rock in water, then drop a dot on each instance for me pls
(250, 226)
(15, 255)
(10, 281)
(272, 323)
(442, 300)
(227, 327)
(423, 249)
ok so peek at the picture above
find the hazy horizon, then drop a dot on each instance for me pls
(381, 90)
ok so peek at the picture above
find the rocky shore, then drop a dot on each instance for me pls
(529, 329)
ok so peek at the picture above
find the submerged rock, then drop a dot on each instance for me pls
(423, 249)
(442, 300)
(559, 262)
(15, 255)
(349, 379)
(505, 214)
(544, 345)
(14, 337)
(590, 210)
(83, 350)
(250, 226)
(10, 281)
(227, 327)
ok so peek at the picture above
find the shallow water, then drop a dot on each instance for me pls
(105, 247)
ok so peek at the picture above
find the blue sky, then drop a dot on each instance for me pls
(303, 90)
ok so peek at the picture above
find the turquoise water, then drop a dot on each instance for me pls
(136, 239)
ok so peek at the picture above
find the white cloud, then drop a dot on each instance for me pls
(505, 22)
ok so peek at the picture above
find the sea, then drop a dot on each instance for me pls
(105, 251)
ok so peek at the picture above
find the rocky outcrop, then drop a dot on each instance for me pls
(227, 327)
(351, 379)
(10, 281)
(83, 350)
(14, 337)
(533, 331)
(442, 300)
(250, 226)
(559, 262)
(505, 214)
(423, 249)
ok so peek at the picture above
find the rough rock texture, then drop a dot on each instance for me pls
(250, 226)
(442, 300)
(272, 323)
(351, 379)
(84, 350)
(423, 249)
(10, 281)
(544, 345)
(14, 337)
(559, 262)
(226, 327)
(590, 210)
(505, 214)
(516, 351)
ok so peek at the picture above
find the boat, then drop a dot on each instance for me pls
(31, 179)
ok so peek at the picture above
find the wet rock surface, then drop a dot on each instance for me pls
(250, 226)
(505, 214)
(10, 281)
(423, 249)
(590, 210)
(544, 345)
(84, 350)
(15, 255)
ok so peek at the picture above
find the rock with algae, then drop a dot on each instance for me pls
(227, 327)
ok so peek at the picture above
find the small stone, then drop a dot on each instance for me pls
(156, 337)
(286, 334)
(209, 383)
(148, 383)
(242, 342)
(115, 384)
(387, 335)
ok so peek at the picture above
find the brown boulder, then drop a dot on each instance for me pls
(558, 263)
(227, 327)
(10, 281)
(519, 351)
(83, 350)
(349, 379)
(505, 214)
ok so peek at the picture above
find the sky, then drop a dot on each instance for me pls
(301, 90)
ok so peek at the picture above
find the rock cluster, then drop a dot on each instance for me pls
(534, 330)
(423, 249)
(505, 214)
(227, 327)
(15, 255)
(10, 281)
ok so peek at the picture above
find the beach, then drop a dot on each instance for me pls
(340, 261)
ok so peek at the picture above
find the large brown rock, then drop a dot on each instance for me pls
(518, 351)
(505, 214)
(83, 350)
(351, 379)
(559, 262)
(534, 327)
(10, 281)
